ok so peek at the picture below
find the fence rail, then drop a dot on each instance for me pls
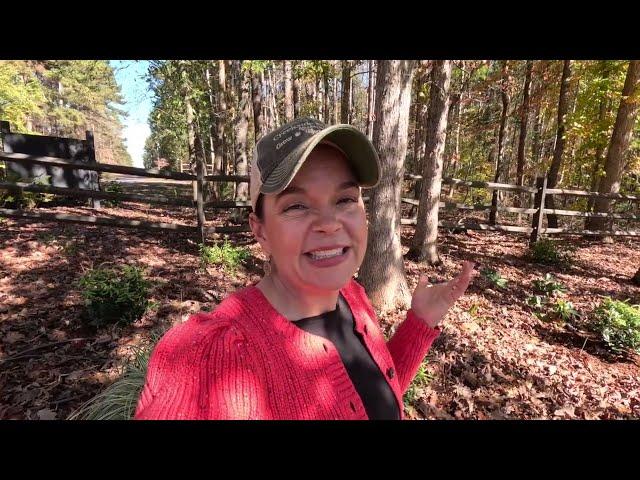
(200, 180)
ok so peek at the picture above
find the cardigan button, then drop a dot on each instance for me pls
(391, 372)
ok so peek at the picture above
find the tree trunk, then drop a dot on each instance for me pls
(296, 96)
(420, 136)
(325, 96)
(556, 163)
(425, 239)
(241, 128)
(382, 272)
(272, 96)
(346, 92)
(212, 119)
(288, 92)
(336, 106)
(219, 163)
(524, 117)
(619, 144)
(256, 99)
(266, 103)
(500, 163)
(599, 160)
(371, 98)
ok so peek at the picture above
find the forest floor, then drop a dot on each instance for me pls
(494, 359)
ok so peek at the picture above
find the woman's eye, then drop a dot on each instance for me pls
(347, 200)
(297, 206)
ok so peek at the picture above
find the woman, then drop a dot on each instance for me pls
(304, 342)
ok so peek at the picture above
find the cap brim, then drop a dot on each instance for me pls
(356, 146)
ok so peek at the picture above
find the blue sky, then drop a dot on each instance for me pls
(130, 75)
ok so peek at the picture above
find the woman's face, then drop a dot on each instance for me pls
(316, 229)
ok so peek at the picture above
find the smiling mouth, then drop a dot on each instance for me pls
(324, 254)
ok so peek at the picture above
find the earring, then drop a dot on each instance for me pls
(266, 266)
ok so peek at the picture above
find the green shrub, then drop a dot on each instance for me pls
(548, 286)
(494, 277)
(537, 302)
(113, 187)
(114, 295)
(548, 252)
(226, 255)
(563, 310)
(619, 324)
(20, 200)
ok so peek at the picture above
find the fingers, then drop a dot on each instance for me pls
(461, 282)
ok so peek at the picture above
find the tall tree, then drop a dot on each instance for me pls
(556, 163)
(371, 90)
(619, 144)
(241, 127)
(382, 271)
(219, 163)
(500, 161)
(345, 105)
(424, 241)
(288, 91)
(524, 117)
(256, 98)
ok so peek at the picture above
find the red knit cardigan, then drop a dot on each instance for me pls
(246, 361)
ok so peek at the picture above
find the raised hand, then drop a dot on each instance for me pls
(432, 302)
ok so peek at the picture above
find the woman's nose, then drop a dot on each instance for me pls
(327, 221)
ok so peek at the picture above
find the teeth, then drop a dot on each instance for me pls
(326, 253)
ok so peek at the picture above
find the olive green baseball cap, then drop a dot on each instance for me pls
(279, 155)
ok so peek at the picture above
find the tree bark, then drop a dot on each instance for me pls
(524, 117)
(425, 239)
(346, 92)
(382, 272)
(556, 163)
(619, 144)
(325, 96)
(288, 92)
(241, 129)
(256, 99)
(371, 98)
(500, 163)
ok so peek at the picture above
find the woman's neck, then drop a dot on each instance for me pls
(294, 304)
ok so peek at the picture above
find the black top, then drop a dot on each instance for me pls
(338, 327)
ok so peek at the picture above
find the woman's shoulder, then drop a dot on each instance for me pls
(204, 329)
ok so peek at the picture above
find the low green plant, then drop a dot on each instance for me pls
(225, 255)
(563, 310)
(549, 286)
(119, 400)
(113, 187)
(548, 252)
(114, 295)
(420, 382)
(537, 302)
(618, 323)
(494, 277)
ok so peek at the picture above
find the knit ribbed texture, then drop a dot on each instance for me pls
(246, 361)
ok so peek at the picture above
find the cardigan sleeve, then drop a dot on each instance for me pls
(202, 369)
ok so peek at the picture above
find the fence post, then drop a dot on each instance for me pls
(536, 225)
(198, 197)
(93, 202)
